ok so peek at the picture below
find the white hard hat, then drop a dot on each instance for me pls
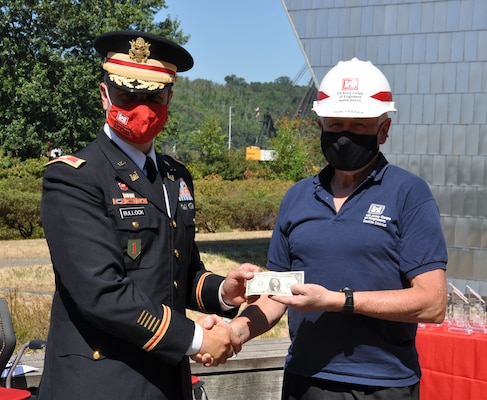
(354, 89)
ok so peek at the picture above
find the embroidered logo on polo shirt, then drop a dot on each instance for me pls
(374, 215)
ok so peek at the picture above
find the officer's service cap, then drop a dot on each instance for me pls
(141, 62)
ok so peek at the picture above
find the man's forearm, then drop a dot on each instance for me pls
(259, 317)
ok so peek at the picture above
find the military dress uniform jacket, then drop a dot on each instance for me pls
(125, 273)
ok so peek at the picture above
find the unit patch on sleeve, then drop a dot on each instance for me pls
(184, 193)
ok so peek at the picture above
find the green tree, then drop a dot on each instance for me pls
(209, 140)
(209, 155)
(49, 72)
(293, 161)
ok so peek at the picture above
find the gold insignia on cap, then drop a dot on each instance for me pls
(139, 50)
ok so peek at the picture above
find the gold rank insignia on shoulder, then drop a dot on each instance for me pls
(139, 50)
(72, 161)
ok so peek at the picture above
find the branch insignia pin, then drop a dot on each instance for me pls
(134, 176)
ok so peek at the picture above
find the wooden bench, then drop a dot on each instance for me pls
(255, 373)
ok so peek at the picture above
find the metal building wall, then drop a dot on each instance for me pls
(434, 53)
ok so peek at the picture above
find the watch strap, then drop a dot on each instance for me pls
(348, 305)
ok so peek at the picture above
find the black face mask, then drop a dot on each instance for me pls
(347, 151)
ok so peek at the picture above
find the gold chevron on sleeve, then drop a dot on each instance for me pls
(157, 326)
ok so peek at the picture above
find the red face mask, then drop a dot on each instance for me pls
(138, 122)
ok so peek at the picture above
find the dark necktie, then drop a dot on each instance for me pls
(156, 180)
(150, 167)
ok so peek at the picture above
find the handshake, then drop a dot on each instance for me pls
(220, 342)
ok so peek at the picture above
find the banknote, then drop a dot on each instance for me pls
(278, 283)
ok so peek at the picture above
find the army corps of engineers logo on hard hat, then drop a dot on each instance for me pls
(350, 84)
(139, 50)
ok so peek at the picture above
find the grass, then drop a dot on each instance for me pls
(30, 315)
(28, 289)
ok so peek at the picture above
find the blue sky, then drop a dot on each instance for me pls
(252, 39)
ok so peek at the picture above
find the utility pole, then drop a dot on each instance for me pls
(229, 128)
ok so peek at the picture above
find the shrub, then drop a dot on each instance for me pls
(246, 204)
(250, 203)
(11, 167)
(20, 208)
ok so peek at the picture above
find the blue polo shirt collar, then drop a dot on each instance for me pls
(324, 177)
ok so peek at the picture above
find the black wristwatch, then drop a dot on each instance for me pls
(348, 306)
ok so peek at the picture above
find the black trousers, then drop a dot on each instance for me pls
(301, 388)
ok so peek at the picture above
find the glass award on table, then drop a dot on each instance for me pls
(460, 312)
(478, 314)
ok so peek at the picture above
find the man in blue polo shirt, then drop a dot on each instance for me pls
(367, 235)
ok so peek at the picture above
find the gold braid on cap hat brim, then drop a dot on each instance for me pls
(136, 84)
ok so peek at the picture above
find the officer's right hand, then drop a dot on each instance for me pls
(219, 342)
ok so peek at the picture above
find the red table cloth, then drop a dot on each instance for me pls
(454, 365)
(13, 394)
